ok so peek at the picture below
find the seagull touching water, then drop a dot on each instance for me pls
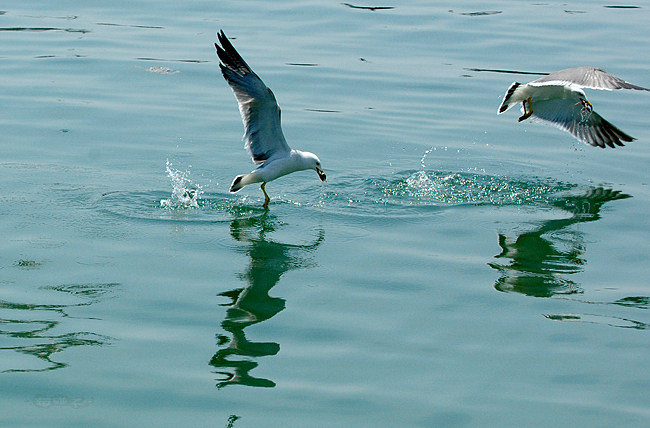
(558, 99)
(261, 116)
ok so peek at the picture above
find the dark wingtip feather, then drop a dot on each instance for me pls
(606, 135)
(229, 56)
(628, 85)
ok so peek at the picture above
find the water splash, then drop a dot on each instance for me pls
(185, 193)
(424, 156)
(432, 187)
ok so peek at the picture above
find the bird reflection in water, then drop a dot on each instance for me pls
(39, 330)
(249, 305)
(540, 259)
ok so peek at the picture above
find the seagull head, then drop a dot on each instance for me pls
(319, 171)
(312, 162)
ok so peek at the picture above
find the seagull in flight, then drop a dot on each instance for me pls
(260, 113)
(558, 99)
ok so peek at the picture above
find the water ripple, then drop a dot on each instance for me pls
(436, 190)
(146, 205)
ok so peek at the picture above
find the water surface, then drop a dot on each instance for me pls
(459, 269)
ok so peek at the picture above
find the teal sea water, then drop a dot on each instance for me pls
(458, 269)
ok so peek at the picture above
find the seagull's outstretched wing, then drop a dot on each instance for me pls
(259, 111)
(585, 77)
(586, 126)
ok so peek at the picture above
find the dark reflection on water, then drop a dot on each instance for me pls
(250, 305)
(28, 326)
(41, 29)
(639, 302)
(612, 321)
(371, 8)
(537, 263)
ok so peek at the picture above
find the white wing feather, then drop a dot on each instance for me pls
(257, 105)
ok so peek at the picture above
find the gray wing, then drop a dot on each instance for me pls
(586, 77)
(259, 111)
(586, 126)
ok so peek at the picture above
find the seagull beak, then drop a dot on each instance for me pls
(321, 174)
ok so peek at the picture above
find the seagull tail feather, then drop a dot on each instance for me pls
(506, 104)
(243, 180)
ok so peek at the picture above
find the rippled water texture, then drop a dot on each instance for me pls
(457, 269)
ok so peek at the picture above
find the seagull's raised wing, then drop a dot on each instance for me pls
(586, 126)
(585, 77)
(259, 111)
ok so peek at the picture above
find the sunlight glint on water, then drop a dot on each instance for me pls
(435, 187)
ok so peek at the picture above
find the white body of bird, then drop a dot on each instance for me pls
(558, 99)
(260, 114)
(518, 93)
(276, 168)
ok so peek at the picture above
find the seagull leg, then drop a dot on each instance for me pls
(266, 197)
(527, 113)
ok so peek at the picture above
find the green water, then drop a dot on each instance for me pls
(458, 269)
